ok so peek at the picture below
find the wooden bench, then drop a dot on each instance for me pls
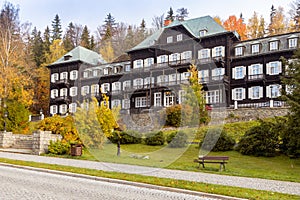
(222, 160)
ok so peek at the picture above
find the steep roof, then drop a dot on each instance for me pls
(82, 54)
(193, 26)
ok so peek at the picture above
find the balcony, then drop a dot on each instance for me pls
(64, 99)
(62, 82)
(255, 77)
(204, 61)
(217, 78)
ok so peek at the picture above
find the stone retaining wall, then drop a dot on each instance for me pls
(38, 142)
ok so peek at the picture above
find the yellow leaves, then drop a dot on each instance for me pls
(107, 51)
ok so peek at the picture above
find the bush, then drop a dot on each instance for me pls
(178, 115)
(128, 137)
(224, 141)
(261, 140)
(155, 139)
(59, 148)
(177, 139)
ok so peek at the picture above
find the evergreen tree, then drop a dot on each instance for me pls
(170, 15)
(85, 38)
(261, 28)
(69, 37)
(109, 27)
(37, 47)
(92, 43)
(46, 40)
(56, 28)
(182, 13)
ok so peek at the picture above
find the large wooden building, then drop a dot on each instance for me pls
(234, 73)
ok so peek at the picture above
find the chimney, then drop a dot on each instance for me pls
(167, 22)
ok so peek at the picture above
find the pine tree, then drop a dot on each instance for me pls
(85, 38)
(109, 27)
(46, 40)
(37, 47)
(56, 28)
(182, 13)
(170, 15)
(69, 37)
(261, 28)
(277, 21)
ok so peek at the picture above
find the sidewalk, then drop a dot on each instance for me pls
(253, 183)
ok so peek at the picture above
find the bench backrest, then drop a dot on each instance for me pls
(214, 157)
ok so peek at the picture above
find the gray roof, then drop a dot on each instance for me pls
(82, 54)
(193, 26)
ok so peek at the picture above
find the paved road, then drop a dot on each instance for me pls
(253, 183)
(28, 184)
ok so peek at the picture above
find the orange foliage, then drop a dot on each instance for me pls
(234, 24)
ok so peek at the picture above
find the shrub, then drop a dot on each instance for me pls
(128, 137)
(177, 139)
(224, 141)
(155, 139)
(261, 140)
(178, 115)
(59, 148)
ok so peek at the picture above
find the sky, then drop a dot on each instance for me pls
(92, 13)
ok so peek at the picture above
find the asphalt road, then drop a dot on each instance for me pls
(22, 184)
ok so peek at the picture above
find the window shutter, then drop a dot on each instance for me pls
(233, 73)
(243, 93)
(206, 73)
(213, 72)
(233, 96)
(250, 67)
(268, 91)
(213, 52)
(199, 54)
(244, 72)
(261, 92)
(134, 64)
(223, 51)
(171, 57)
(260, 68)
(268, 68)
(279, 67)
(114, 86)
(209, 53)
(250, 93)
(183, 57)
(142, 62)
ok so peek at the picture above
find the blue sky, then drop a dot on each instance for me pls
(93, 12)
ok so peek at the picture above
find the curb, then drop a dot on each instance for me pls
(124, 182)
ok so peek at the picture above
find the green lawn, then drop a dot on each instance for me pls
(277, 168)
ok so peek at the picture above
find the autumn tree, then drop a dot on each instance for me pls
(56, 28)
(256, 27)
(277, 21)
(295, 16)
(107, 51)
(218, 20)
(55, 52)
(238, 25)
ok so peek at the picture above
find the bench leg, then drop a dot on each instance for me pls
(222, 165)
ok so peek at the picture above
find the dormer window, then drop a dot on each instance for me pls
(293, 42)
(202, 32)
(238, 51)
(67, 57)
(255, 48)
(274, 45)
(170, 39)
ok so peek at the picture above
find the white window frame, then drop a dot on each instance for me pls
(116, 86)
(127, 68)
(138, 83)
(157, 99)
(293, 43)
(238, 51)
(181, 96)
(238, 72)
(203, 76)
(204, 54)
(94, 89)
(73, 75)
(54, 93)
(274, 68)
(127, 85)
(217, 74)
(148, 62)
(73, 91)
(218, 51)
(179, 37)
(274, 45)
(54, 77)
(63, 108)
(186, 55)
(255, 48)
(85, 74)
(105, 87)
(64, 76)
(85, 90)
(141, 102)
(212, 96)
(170, 39)
(72, 107)
(255, 92)
(138, 64)
(169, 99)
(202, 33)
(238, 94)
(115, 103)
(63, 92)
(274, 91)
(125, 103)
(53, 109)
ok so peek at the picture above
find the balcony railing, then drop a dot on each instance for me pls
(217, 78)
(255, 77)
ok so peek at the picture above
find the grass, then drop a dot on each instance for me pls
(201, 187)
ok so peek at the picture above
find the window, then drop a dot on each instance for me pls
(169, 99)
(148, 81)
(85, 90)
(273, 45)
(72, 107)
(174, 57)
(138, 63)
(140, 102)
(105, 71)
(138, 83)
(170, 39)
(162, 59)
(125, 103)
(185, 76)
(172, 79)
(255, 48)
(274, 68)
(85, 74)
(63, 108)
(293, 42)
(115, 103)
(255, 71)
(218, 51)
(162, 79)
(74, 75)
(63, 92)
(186, 55)
(203, 76)
(212, 96)
(179, 37)
(116, 86)
(204, 54)
(157, 99)
(181, 96)
(54, 77)
(54, 93)
(202, 33)
(148, 62)
(63, 75)
(255, 92)
(273, 91)
(238, 94)
(105, 87)
(238, 72)
(94, 89)
(73, 91)
(53, 109)
(239, 51)
(126, 85)
(127, 68)
(95, 72)
(217, 74)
